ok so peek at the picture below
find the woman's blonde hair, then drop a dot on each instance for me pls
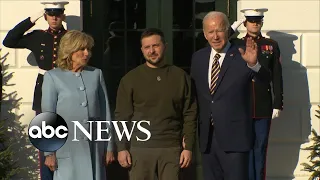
(70, 43)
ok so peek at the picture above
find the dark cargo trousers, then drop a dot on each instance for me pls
(148, 163)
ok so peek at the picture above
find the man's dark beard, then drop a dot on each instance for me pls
(154, 63)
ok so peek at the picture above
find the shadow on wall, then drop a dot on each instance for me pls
(293, 126)
(23, 152)
(72, 22)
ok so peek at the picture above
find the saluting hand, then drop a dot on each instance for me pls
(251, 53)
(36, 16)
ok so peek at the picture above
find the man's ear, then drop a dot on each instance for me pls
(245, 23)
(45, 16)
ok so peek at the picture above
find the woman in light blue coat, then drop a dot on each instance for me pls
(77, 92)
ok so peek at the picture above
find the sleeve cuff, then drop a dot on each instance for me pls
(189, 144)
(121, 147)
(276, 106)
(189, 147)
(256, 67)
(110, 146)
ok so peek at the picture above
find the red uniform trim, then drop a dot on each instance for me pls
(254, 104)
(265, 162)
(53, 51)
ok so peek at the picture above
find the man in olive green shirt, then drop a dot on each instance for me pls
(162, 94)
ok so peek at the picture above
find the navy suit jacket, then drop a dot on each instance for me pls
(230, 104)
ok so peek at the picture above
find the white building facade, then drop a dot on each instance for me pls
(295, 25)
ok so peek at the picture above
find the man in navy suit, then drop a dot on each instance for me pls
(222, 75)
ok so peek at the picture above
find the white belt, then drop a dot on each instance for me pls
(41, 71)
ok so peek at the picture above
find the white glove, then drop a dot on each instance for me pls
(276, 113)
(236, 24)
(36, 16)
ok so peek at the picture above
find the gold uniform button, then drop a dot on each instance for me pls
(55, 37)
(54, 62)
(253, 80)
(55, 42)
(54, 49)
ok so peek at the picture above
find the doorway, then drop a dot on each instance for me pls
(116, 26)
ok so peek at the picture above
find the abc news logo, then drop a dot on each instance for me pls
(49, 132)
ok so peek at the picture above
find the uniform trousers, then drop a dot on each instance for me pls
(45, 172)
(258, 154)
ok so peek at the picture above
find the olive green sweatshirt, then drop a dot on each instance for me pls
(165, 97)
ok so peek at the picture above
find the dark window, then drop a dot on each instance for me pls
(117, 25)
(126, 19)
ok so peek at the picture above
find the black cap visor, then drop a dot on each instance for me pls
(254, 19)
(54, 12)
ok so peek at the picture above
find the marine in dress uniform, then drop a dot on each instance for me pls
(44, 45)
(265, 106)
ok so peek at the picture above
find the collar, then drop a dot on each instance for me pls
(164, 65)
(254, 38)
(224, 51)
(55, 32)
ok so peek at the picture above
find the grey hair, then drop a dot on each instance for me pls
(215, 14)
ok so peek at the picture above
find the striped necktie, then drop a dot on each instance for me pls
(214, 72)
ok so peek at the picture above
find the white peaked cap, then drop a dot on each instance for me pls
(254, 12)
(54, 4)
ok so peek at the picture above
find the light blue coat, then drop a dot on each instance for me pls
(78, 97)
